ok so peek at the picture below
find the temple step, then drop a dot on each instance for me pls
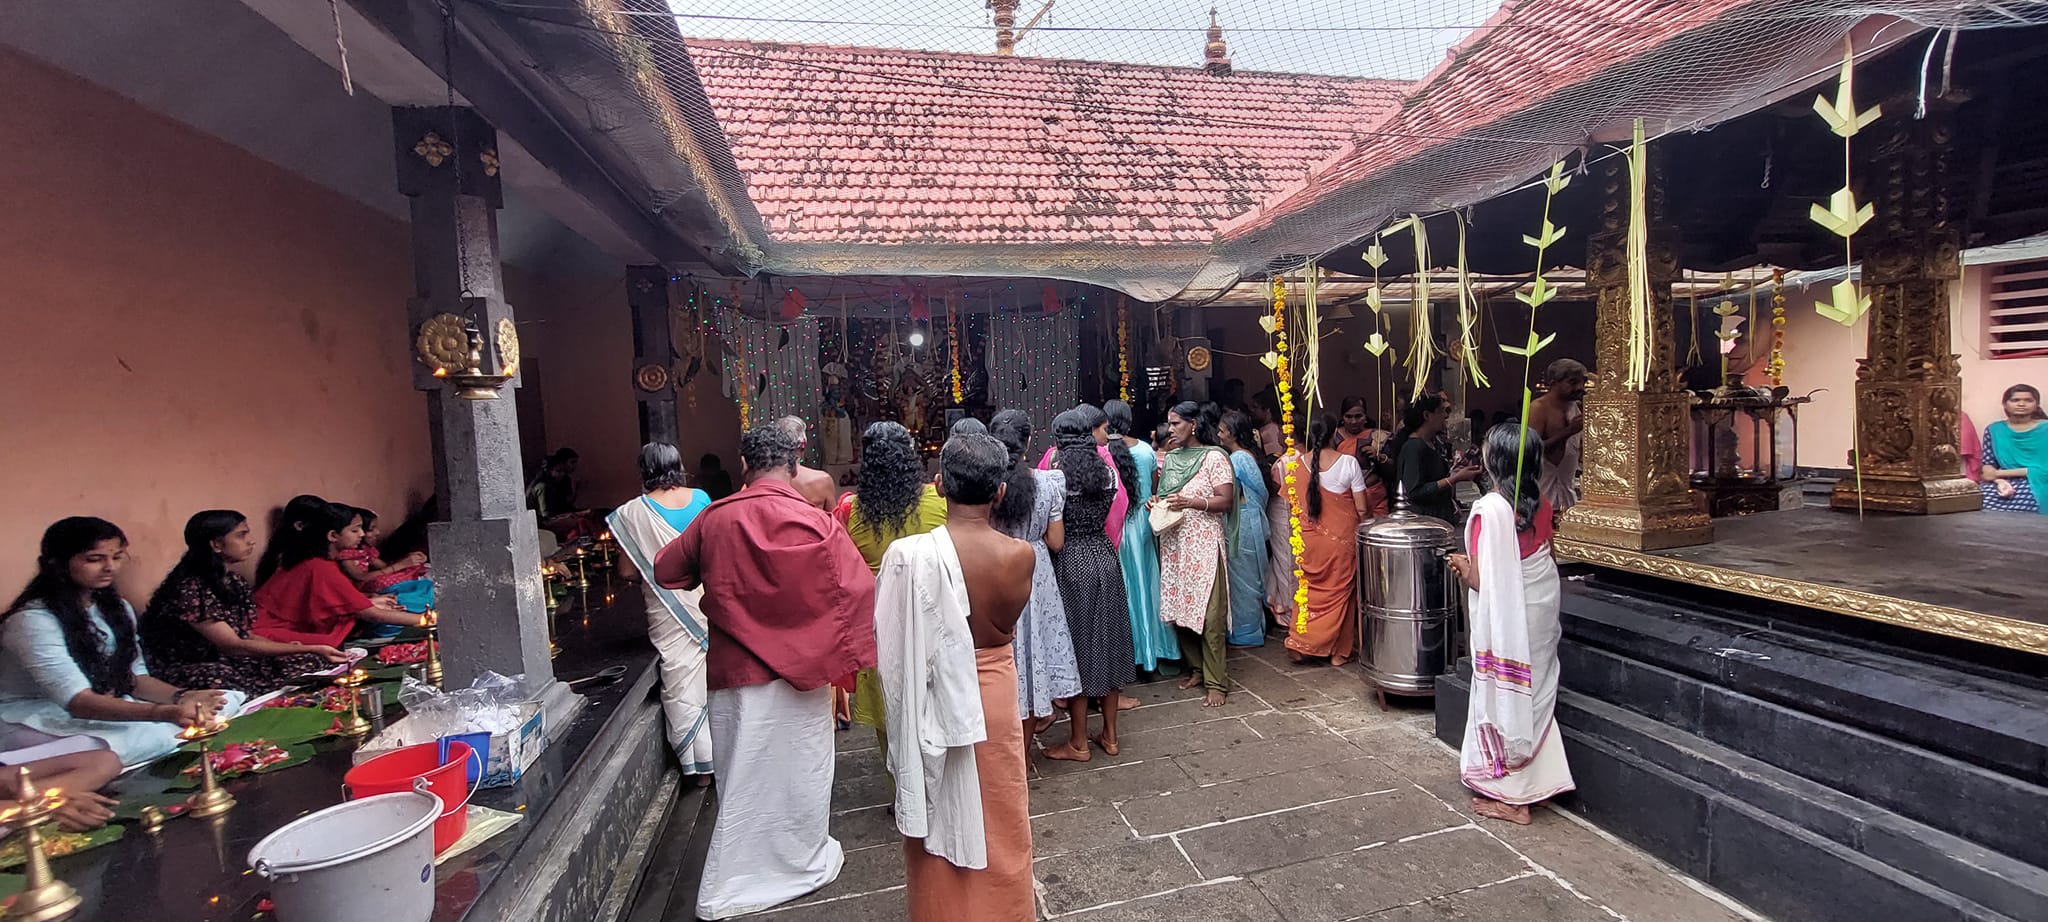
(1993, 718)
(1784, 845)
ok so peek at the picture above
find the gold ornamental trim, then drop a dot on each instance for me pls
(443, 343)
(433, 149)
(508, 347)
(1198, 358)
(1995, 630)
(651, 377)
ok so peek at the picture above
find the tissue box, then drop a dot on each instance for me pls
(507, 754)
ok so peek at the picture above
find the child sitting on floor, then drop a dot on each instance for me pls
(310, 600)
(363, 564)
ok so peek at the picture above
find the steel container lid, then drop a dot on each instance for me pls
(1405, 529)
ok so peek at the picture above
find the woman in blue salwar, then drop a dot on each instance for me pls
(1247, 555)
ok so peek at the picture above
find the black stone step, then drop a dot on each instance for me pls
(1786, 847)
(2001, 812)
(1983, 716)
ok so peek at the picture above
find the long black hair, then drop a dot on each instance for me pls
(1503, 443)
(110, 673)
(1239, 426)
(1013, 512)
(201, 561)
(309, 540)
(1074, 435)
(289, 522)
(1205, 416)
(1411, 420)
(1119, 453)
(891, 478)
(1322, 433)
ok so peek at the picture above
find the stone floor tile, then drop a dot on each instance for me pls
(1358, 883)
(854, 738)
(861, 791)
(1108, 785)
(1135, 744)
(1266, 756)
(1164, 813)
(1530, 899)
(1612, 874)
(888, 906)
(1077, 830)
(864, 827)
(858, 763)
(867, 870)
(1349, 717)
(1182, 712)
(1229, 901)
(1105, 875)
(1283, 723)
(1272, 841)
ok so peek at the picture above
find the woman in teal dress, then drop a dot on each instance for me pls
(70, 659)
(1152, 640)
(1248, 546)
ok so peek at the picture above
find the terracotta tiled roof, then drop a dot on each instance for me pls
(851, 146)
(1540, 71)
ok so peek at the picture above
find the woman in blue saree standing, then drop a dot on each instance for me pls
(674, 623)
(1152, 639)
(1247, 554)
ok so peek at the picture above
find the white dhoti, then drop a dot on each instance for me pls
(772, 750)
(1512, 750)
(1560, 482)
(682, 692)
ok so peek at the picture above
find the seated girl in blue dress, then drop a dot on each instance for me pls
(70, 664)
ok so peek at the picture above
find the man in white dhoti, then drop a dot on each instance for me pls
(1512, 755)
(789, 605)
(1559, 419)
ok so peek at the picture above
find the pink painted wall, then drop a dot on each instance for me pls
(188, 328)
(584, 342)
(1820, 353)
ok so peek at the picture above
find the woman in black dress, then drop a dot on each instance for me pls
(195, 633)
(1091, 585)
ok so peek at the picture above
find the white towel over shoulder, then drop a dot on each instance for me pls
(932, 694)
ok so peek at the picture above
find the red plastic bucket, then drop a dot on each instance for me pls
(396, 771)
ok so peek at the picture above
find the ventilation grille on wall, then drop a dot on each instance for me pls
(2017, 309)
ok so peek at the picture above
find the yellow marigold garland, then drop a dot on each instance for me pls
(1285, 388)
(953, 343)
(1777, 366)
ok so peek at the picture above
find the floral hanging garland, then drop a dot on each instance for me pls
(953, 345)
(1777, 366)
(1277, 360)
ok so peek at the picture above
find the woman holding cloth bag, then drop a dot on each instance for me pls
(1193, 514)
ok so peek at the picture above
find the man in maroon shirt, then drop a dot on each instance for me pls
(791, 606)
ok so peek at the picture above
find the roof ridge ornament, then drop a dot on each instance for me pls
(1216, 54)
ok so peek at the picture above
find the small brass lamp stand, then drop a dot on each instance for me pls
(210, 799)
(43, 898)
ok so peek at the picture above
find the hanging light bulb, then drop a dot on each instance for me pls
(916, 338)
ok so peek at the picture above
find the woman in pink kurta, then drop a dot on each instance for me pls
(1118, 506)
(1197, 481)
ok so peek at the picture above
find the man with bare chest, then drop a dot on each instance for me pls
(1556, 417)
(965, 818)
(817, 487)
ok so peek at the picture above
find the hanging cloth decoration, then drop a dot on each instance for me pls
(1311, 340)
(1640, 301)
(1049, 301)
(793, 303)
(1842, 216)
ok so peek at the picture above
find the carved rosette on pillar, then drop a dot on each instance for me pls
(1634, 479)
(654, 359)
(486, 550)
(1908, 385)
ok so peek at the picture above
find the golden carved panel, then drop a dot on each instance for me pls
(1920, 616)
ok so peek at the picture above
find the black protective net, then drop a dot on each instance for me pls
(1127, 145)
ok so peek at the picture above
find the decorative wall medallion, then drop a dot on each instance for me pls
(443, 343)
(490, 161)
(1198, 358)
(433, 150)
(650, 377)
(508, 347)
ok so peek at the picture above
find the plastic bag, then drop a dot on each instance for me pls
(491, 704)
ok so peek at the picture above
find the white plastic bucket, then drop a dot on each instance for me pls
(364, 859)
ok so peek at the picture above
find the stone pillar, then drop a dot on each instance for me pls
(1634, 477)
(1908, 385)
(1197, 362)
(486, 551)
(654, 353)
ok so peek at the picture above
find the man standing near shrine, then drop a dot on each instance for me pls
(817, 487)
(947, 603)
(1557, 417)
(790, 606)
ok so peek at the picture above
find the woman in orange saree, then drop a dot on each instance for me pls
(1331, 489)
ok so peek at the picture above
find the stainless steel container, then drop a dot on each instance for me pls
(1408, 600)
